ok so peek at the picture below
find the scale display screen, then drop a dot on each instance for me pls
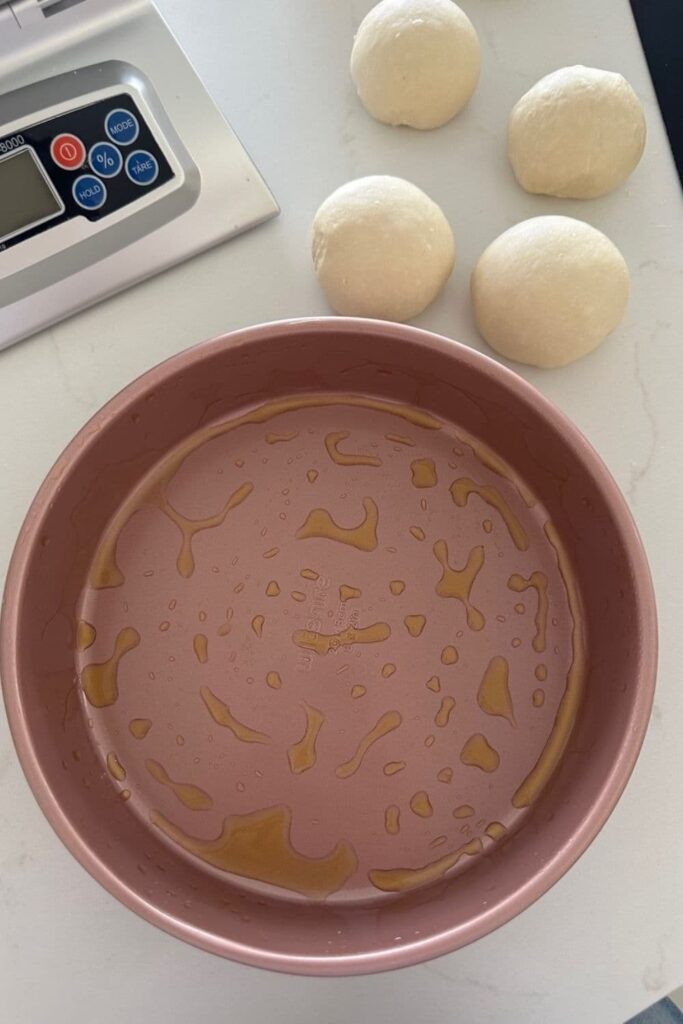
(26, 197)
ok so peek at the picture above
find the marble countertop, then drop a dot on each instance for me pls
(607, 940)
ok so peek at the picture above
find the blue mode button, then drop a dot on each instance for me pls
(89, 192)
(121, 126)
(141, 167)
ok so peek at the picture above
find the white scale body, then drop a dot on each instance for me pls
(114, 162)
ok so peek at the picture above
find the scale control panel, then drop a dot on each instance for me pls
(88, 162)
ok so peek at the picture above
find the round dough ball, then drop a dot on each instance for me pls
(415, 62)
(381, 248)
(578, 133)
(549, 290)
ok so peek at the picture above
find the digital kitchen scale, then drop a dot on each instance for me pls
(114, 162)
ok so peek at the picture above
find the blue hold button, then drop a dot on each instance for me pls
(142, 167)
(89, 192)
(122, 127)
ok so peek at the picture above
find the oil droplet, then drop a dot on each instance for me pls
(297, 595)
(323, 643)
(569, 705)
(541, 673)
(347, 593)
(429, 741)
(257, 624)
(417, 532)
(222, 715)
(239, 463)
(85, 635)
(445, 775)
(444, 712)
(332, 442)
(515, 642)
(493, 695)
(397, 587)
(438, 841)
(139, 727)
(271, 552)
(273, 589)
(392, 820)
(463, 811)
(462, 489)
(202, 616)
(423, 473)
(190, 796)
(388, 670)
(538, 698)
(384, 725)
(124, 795)
(479, 753)
(164, 626)
(420, 804)
(258, 846)
(487, 525)
(238, 588)
(458, 583)
(363, 537)
(180, 740)
(279, 438)
(358, 691)
(393, 767)
(404, 879)
(494, 830)
(274, 681)
(500, 468)
(100, 679)
(302, 755)
(415, 624)
(423, 504)
(114, 767)
(400, 439)
(538, 581)
(449, 655)
(312, 475)
(200, 644)
(434, 684)
(520, 609)
(309, 574)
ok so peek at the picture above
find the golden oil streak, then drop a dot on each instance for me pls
(458, 583)
(257, 624)
(493, 695)
(444, 712)
(415, 624)
(464, 487)
(319, 523)
(279, 438)
(538, 581)
(479, 753)
(332, 442)
(114, 767)
(302, 755)
(85, 635)
(347, 593)
(323, 643)
(222, 715)
(384, 725)
(139, 727)
(392, 820)
(423, 473)
(571, 699)
(190, 527)
(200, 644)
(190, 796)
(420, 804)
(100, 679)
(404, 879)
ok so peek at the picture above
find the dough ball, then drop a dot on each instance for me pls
(549, 290)
(381, 248)
(578, 133)
(415, 62)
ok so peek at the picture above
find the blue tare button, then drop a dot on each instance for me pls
(89, 192)
(121, 127)
(105, 159)
(142, 167)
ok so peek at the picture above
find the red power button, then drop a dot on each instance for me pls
(68, 152)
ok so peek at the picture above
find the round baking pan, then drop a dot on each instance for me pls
(328, 645)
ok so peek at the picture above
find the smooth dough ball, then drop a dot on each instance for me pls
(381, 248)
(578, 133)
(549, 290)
(415, 62)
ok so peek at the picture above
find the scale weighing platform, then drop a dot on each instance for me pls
(114, 162)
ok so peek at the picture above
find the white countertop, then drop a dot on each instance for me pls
(608, 939)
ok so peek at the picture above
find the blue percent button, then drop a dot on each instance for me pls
(142, 167)
(89, 192)
(121, 127)
(105, 159)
